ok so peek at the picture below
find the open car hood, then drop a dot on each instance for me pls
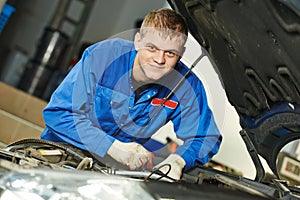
(254, 47)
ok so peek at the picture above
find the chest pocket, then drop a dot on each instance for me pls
(111, 106)
(113, 110)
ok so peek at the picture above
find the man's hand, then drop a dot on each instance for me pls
(131, 154)
(174, 163)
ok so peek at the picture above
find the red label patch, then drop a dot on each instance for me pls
(169, 103)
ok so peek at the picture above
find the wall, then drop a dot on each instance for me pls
(25, 26)
(108, 17)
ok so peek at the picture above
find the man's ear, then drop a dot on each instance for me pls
(137, 41)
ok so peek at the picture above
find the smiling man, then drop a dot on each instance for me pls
(113, 100)
(158, 53)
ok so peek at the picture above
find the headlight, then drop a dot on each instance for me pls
(41, 184)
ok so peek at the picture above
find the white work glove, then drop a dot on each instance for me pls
(176, 163)
(131, 154)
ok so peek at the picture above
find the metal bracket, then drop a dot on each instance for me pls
(260, 172)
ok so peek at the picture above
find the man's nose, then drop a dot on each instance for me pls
(159, 56)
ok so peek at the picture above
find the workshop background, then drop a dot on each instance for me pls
(41, 40)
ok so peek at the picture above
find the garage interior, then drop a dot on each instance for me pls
(41, 40)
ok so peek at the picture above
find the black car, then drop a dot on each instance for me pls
(254, 47)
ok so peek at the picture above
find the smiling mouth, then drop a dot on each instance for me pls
(157, 66)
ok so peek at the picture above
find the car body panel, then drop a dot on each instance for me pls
(254, 47)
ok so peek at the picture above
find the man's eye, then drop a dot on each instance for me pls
(151, 48)
(171, 53)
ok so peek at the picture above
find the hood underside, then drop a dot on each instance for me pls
(254, 46)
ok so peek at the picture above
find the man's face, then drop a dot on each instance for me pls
(156, 55)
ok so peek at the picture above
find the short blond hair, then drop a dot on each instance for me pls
(165, 19)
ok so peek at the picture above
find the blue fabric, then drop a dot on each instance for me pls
(95, 104)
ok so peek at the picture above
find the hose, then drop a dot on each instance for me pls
(76, 156)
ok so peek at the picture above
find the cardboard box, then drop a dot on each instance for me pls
(20, 115)
(21, 104)
(13, 128)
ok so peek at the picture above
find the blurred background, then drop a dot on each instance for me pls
(49, 35)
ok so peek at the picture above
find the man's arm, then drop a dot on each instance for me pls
(197, 129)
(195, 125)
(70, 113)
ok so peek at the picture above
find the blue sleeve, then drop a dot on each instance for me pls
(196, 127)
(70, 114)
